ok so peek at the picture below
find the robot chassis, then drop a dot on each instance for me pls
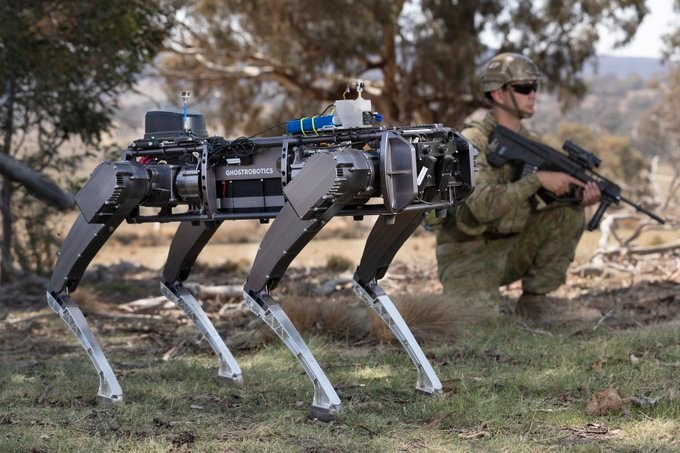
(301, 181)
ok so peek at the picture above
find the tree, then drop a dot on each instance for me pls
(672, 39)
(420, 57)
(659, 129)
(62, 66)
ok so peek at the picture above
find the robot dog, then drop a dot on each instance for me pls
(345, 163)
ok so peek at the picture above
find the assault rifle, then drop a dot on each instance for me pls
(579, 163)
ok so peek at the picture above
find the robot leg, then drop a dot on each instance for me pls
(326, 183)
(283, 241)
(383, 243)
(111, 194)
(184, 249)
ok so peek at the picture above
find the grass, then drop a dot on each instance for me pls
(506, 388)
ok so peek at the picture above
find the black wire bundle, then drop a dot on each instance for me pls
(221, 148)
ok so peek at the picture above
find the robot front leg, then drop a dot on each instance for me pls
(184, 249)
(111, 194)
(383, 243)
(109, 388)
(283, 241)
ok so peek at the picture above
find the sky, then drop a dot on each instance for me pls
(647, 41)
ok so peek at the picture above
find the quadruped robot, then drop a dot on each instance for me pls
(345, 163)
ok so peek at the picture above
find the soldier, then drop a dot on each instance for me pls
(500, 235)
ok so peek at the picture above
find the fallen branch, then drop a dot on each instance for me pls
(147, 303)
(602, 319)
(212, 292)
(534, 331)
(28, 318)
(130, 317)
(648, 250)
(173, 351)
(330, 285)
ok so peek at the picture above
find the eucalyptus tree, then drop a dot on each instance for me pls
(62, 66)
(263, 61)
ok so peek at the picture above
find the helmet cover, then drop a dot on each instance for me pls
(505, 68)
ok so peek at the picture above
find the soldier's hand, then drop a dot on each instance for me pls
(557, 182)
(591, 194)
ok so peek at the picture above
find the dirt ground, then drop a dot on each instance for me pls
(120, 295)
(629, 290)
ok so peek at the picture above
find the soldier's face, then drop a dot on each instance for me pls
(524, 92)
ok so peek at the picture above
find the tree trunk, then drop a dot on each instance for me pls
(7, 189)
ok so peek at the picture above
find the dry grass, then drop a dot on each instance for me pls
(226, 267)
(336, 318)
(90, 300)
(506, 389)
(339, 263)
(428, 315)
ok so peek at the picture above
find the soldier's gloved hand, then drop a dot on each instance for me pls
(557, 182)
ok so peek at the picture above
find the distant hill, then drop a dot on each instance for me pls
(619, 95)
(623, 67)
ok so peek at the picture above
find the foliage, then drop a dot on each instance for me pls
(36, 243)
(621, 161)
(659, 130)
(672, 39)
(261, 62)
(339, 263)
(62, 66)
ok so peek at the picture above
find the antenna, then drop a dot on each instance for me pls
(186, 95)
(358, 85)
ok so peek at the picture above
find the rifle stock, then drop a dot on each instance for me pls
(579, 163)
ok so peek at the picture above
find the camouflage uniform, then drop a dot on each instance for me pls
(497, 237)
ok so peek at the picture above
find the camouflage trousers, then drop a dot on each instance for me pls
(471, 272)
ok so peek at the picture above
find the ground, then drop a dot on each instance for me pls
(509, 386)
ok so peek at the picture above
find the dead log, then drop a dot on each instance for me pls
(35, 182)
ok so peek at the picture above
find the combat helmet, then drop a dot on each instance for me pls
(505, 68)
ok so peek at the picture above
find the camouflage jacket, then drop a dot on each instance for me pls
(498, 205)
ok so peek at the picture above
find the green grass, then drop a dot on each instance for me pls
(506, 389)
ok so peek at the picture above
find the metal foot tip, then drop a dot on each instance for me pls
(430, 392)
(324, 414)
(106, 400)
(235, 379)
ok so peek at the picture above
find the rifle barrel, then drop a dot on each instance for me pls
(644, 211)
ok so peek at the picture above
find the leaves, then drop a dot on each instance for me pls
(672, 39)
(94, 50)
(604, 402)
(62, 67)
(420, 58)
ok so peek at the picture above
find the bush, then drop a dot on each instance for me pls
(339, 263)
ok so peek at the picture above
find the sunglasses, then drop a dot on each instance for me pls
(524, 88)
